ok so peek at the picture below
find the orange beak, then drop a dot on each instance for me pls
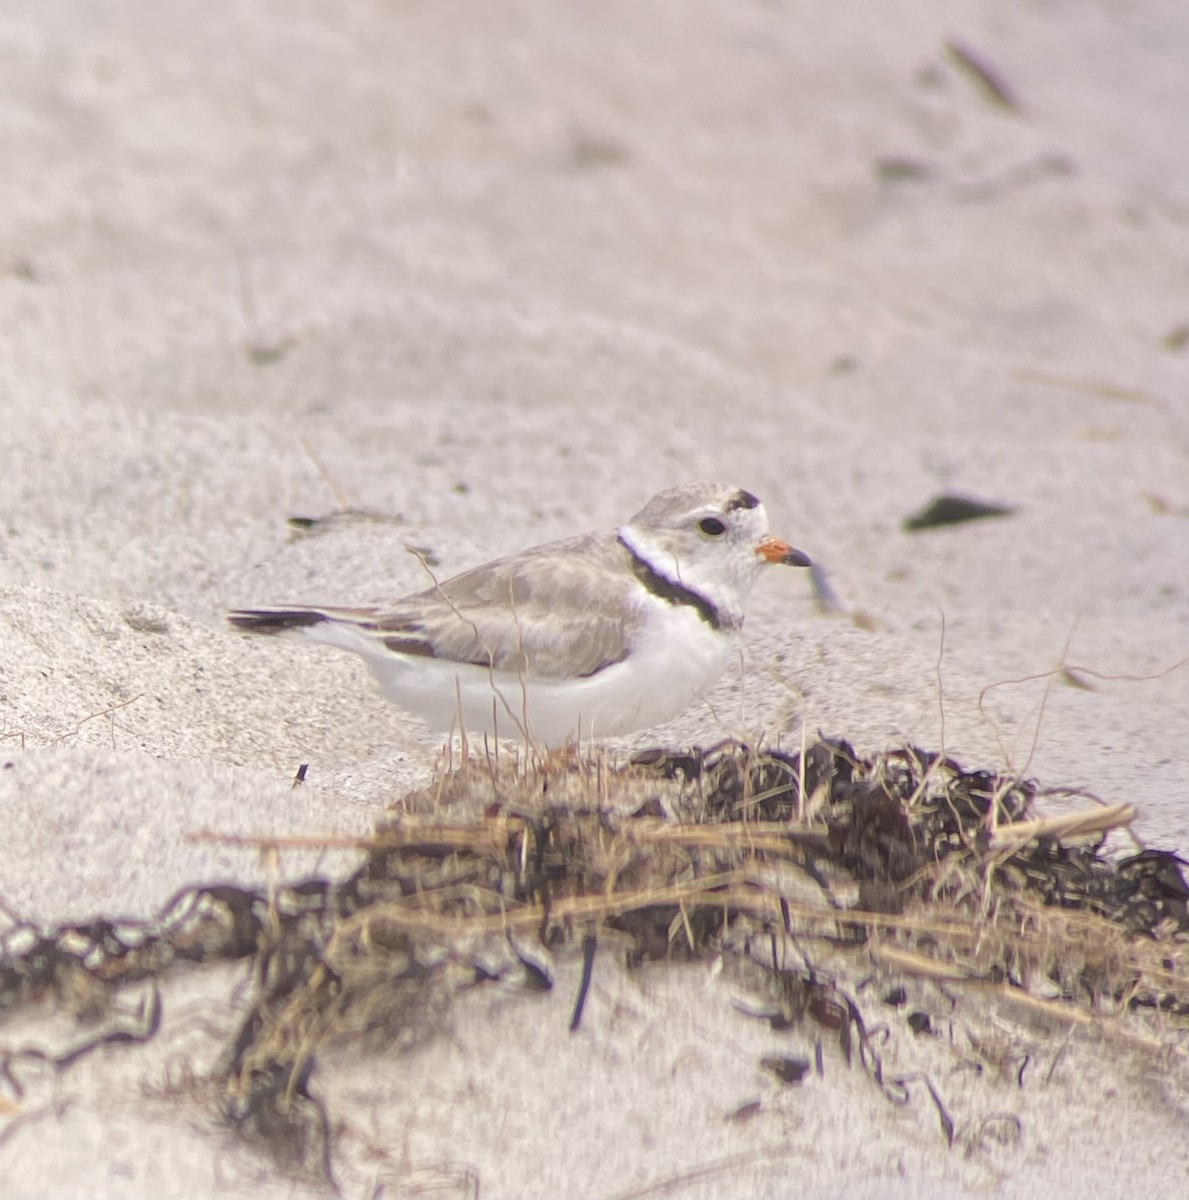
(773, 550)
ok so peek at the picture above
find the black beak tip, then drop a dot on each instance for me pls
(797, 558)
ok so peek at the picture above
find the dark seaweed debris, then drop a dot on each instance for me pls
(953, 510)
(914, 859)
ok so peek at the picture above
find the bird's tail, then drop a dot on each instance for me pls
(285, 620)
(347, 628)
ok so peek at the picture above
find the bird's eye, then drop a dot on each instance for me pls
(712, 527)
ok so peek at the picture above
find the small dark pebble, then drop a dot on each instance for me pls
(919, 1022)
(786, 1068)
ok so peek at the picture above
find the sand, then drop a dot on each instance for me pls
(493, 274)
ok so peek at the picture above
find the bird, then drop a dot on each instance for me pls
(594, 636)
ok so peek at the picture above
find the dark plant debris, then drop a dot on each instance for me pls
(342, 518)
(893, 168)
(771, 859)
(1176, 339)
(953, 509)
(988, 78)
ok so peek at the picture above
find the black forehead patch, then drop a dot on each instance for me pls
(742, 500)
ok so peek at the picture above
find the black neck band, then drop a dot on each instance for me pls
(673, 593)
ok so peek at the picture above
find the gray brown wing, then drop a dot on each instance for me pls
(541, 612)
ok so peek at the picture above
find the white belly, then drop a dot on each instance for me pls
(679, 660)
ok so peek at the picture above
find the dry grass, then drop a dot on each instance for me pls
(903, 865)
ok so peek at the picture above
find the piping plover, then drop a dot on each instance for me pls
(594, 636)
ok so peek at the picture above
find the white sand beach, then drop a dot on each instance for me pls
(484, 275)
